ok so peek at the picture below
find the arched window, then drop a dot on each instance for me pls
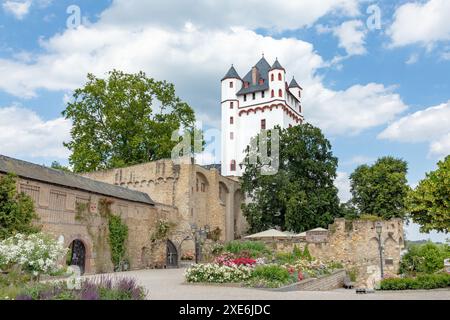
(233, 165)
(231, 84)
(231, 105)
(280, 93)
(279, 76)
(231, 120)
(272, 93)
(272, 77)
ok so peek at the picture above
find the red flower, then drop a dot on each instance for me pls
(300, 276)
(244, 261)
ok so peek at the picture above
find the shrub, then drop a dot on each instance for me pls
(271, 272)
(429, 281)
(426, 258)
(254, 248)
(35, 254)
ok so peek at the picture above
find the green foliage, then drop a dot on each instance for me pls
(163, 228)
(124, 120)
(429, 203)
(429, 281)
(381, 189)
(301, 195)
(118, 233)
(254, 248)
(306, 255)
(426, 258)
(271, 273)
(16, 209)
(57, 166)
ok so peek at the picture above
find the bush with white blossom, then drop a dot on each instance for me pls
(211, 272)
(35, 253)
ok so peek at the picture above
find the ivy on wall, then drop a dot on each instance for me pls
(109, 234)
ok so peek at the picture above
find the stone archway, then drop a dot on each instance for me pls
(78, 254)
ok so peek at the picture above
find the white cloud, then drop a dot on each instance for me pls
(24, 134)
(358, 160)
(194, 59)
(429, 125)
(18, 8)
(352, 110)
(342, 182)
(422, 23)
(351, 35)
(269, 14)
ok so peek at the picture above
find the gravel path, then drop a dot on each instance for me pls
(168, 285)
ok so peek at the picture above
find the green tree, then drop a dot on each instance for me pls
(429, 203)
(301, 195)
(57, 166)
(381, 189)
(124, 120)
(16, 209)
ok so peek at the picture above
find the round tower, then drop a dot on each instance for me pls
(277, 81)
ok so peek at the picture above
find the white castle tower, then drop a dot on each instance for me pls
(260, 100)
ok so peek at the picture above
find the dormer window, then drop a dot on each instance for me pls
(261, 82)
(246, 84)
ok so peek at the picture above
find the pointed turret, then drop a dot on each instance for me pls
(232, 74)
(277, 65)
(294, 84)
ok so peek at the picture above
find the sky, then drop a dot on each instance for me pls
(375, 74)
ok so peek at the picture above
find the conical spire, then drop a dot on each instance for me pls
(231, 74)
(277, 65)
(294, 84)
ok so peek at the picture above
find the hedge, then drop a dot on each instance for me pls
(429, 281)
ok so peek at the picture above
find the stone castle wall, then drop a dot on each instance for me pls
(355, 245)
(200, 195)
(56, 207)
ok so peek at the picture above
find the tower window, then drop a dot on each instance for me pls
(254, 96)
(231, 120)
(263, 124)
(231, 84)
(262, 94)
(245, 97)
(273, 93)
(231, 105)
(272, 77)
(280, 93)
(299, 94)
(231, 135)
(233, 165)
(279, 77)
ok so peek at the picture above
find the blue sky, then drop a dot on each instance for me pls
(374, 88)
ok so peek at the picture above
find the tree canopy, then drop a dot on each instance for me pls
(301, 195)
(429, 203)
(16, 209)
(381, 189)
(124, 119)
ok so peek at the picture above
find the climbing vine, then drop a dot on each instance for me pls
(106, 230)
(118, 233)
(163, 229)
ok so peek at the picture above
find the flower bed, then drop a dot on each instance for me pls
(215, 273)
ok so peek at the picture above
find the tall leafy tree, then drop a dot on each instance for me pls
(381, 189)
(16, 209)
(429, 203)
(301, 195)
(124, 119)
